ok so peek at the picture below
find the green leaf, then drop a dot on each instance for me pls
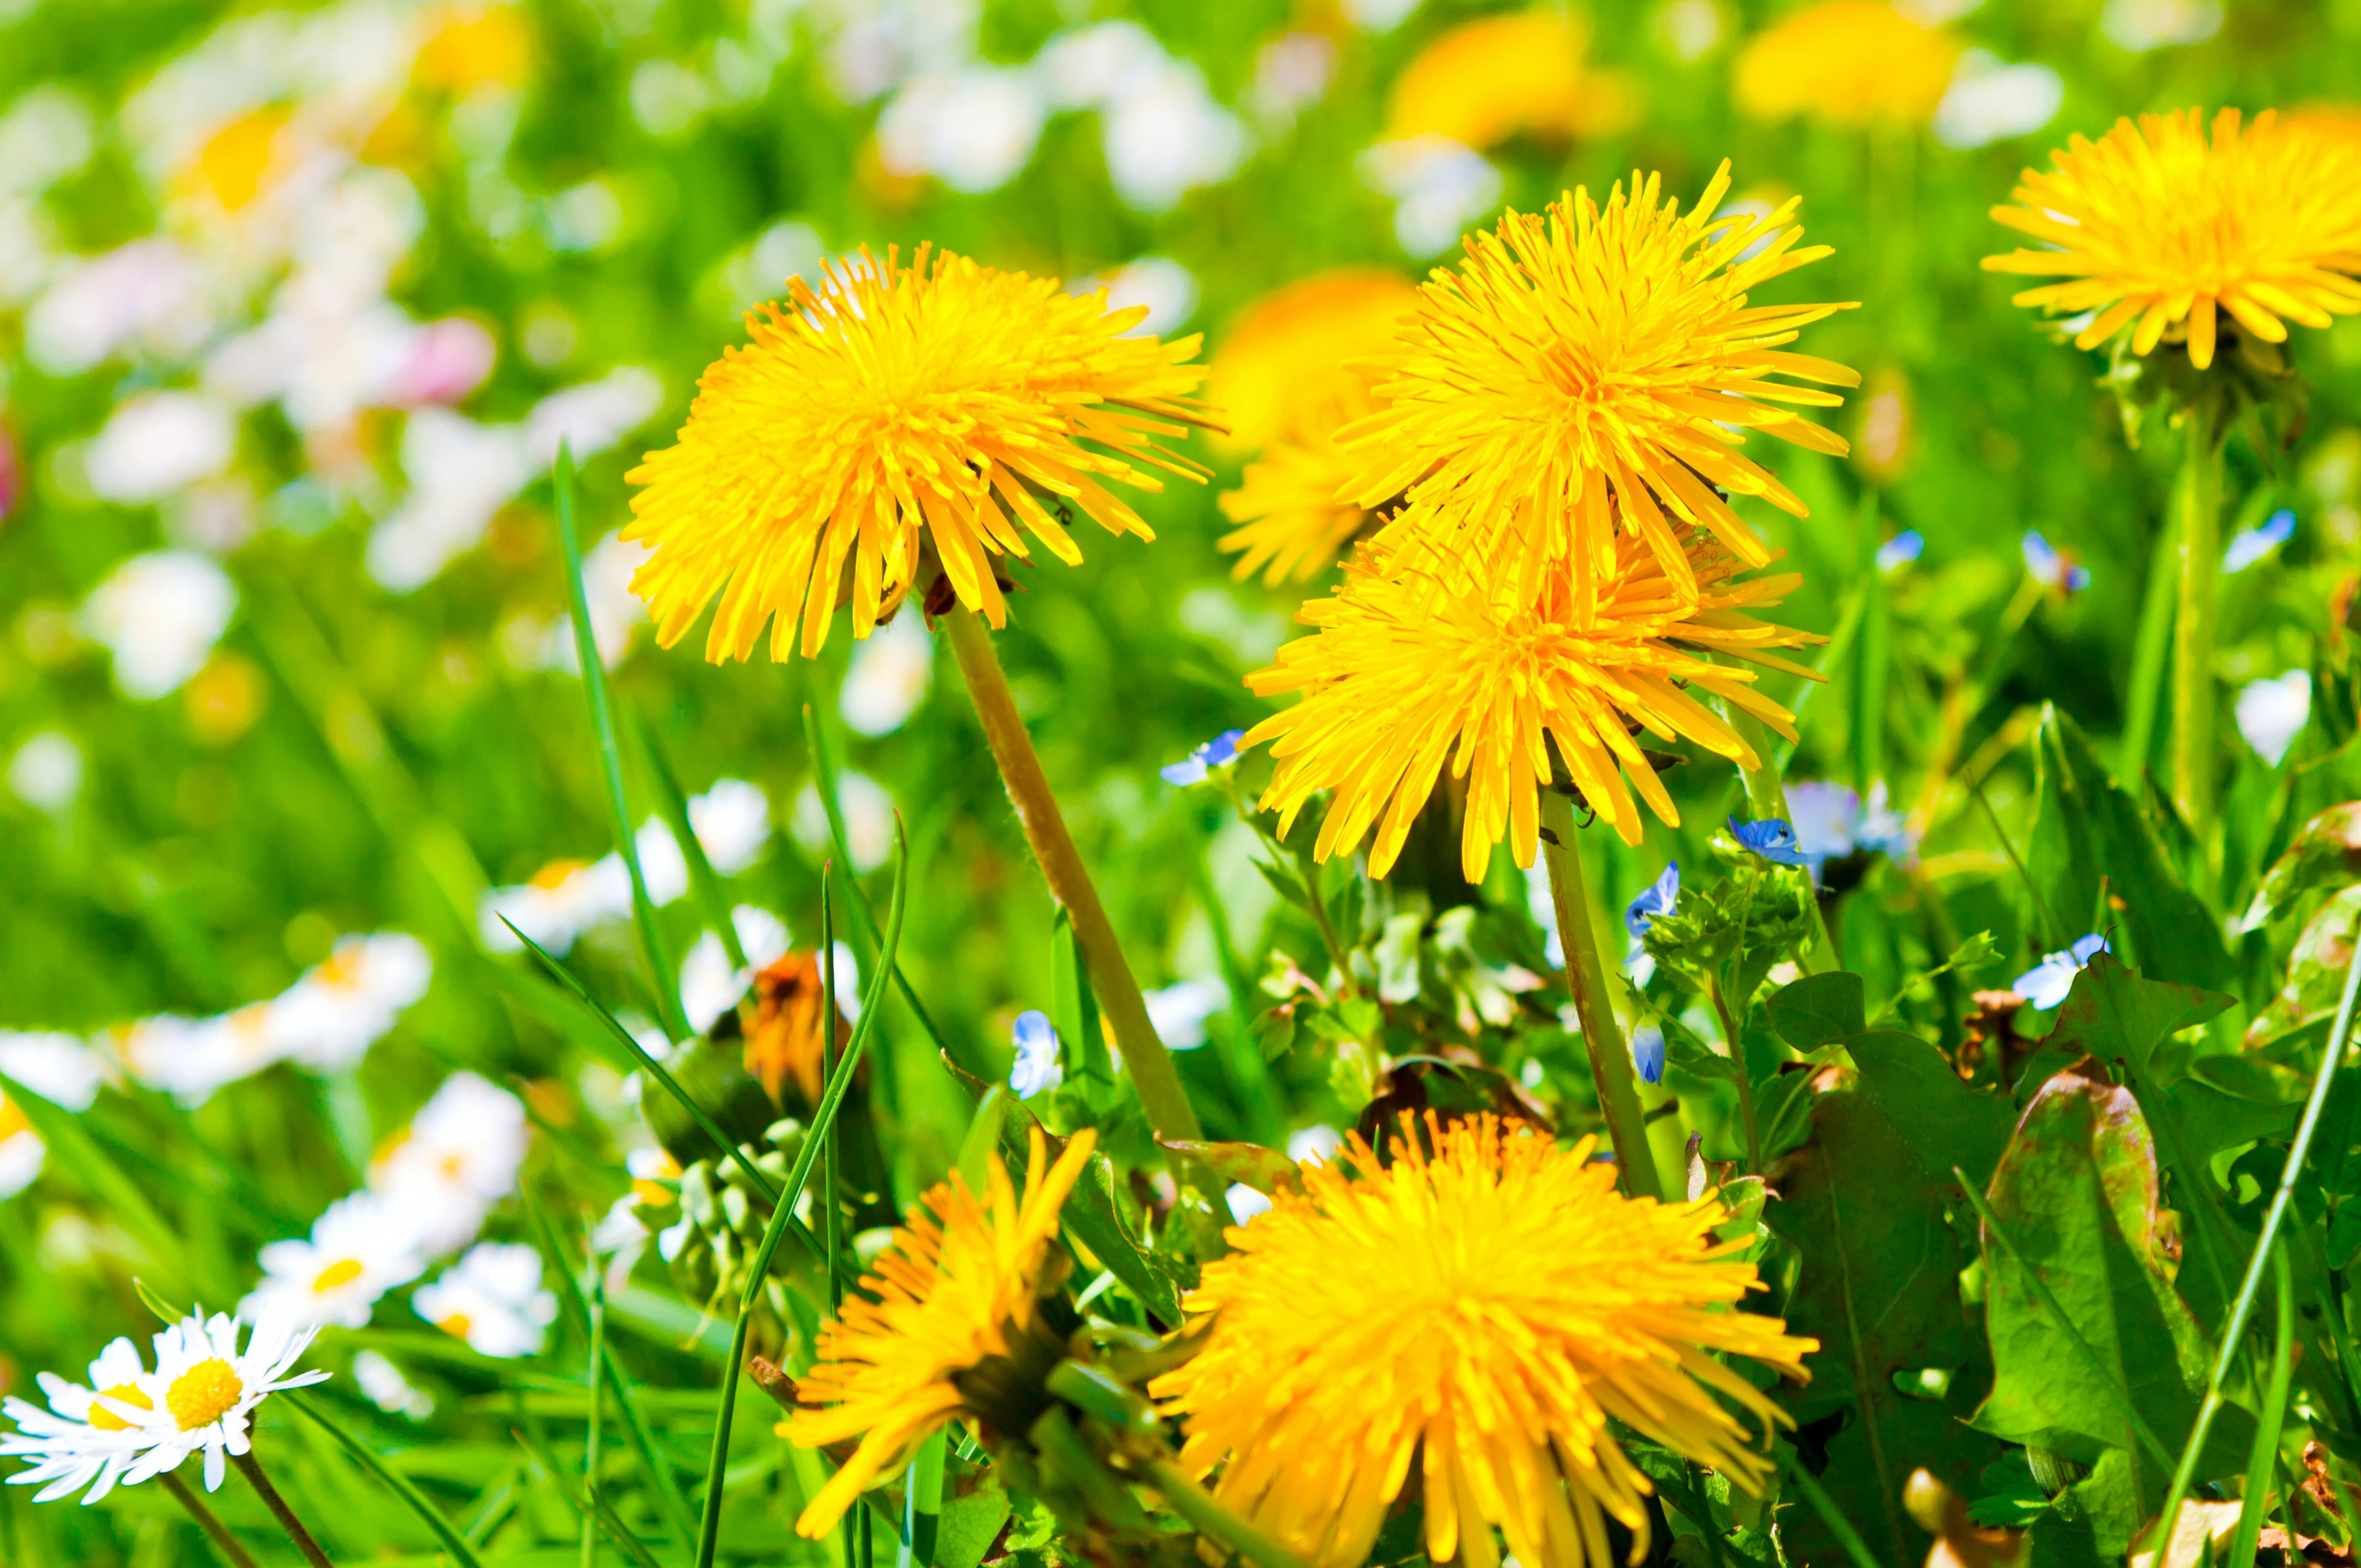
(2315, 971)
(1878, 1286)
(2126, 1020)
(1819, 1009)
(1264, 1170)
(2324, 854)
(2079, 1193)
(1951, 1122)
(1075, 1006)
(970, 1524)
(2088, 832)
(982, 1145)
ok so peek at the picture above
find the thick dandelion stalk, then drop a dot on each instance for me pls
(2197, 506)
(1611, 1059)
(1152, 1074)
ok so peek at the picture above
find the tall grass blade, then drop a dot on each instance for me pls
(593, 1512)
(453, 1542)
(2263, 1461)
(1825, 1506)
(703, 879)
(602, 724)
(74, 1149)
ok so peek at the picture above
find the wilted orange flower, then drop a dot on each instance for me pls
(784, 1042)
(1848, 63)
(2156, 228)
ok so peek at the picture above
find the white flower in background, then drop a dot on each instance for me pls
(192, 1059)
(869, 820)
(76, 1441)
(149, 295)
(460, 1156)
(2142, 25)
(593, 416)
(1088, 67)
(158, 443)
(2273, 712)
(1178, 1011)
(1165, 136)
(1690, 28)
(159, 614)
(360, 1248)
(386, 1387)
(47, 134)
(1317, 1142)
(888, 676)
(61, 1068)
(27, 247)
(732, 822)
(1244, 1203)
(1379, 16)
(879, 44)
(330, 1018)
(972, 128)
(567, 898)
(1990, 101)
(1291, 73)
(493, 1299)
(2047, 985)
(621, 1236)
(46, 772)
(202, 1395)
(1439, 187)
(1036, 1066)
(1167, 289)
(22, 1153)
(709, 987)
(617, 616)
(760, 271)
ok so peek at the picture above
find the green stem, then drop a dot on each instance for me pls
(1152, 1074)
(1742, 1077)
(2235, 1327)
(251, 1467)
(1610, 1060)
(2197, 502)
(1830, 1516)
(1197, 1505)
(2263, 1459)
(215, 1530)
(2149, 649)
(1767, 798)
(590, 1444)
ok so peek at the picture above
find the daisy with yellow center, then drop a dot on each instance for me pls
(1484, 1312)
(362, 1246)
(1418, 663)
(943, 404)
(2159, 229)
(203, 1393)
(956, 1287)
(80, 1440)
(1593, 372)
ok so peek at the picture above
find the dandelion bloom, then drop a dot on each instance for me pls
(784, 1045)
(1484, 1310)
(1847, 63)
(1290, 525)
(1417, 663)
(1488, 79)
(942, 397)
(1600, 365)
(2158, 227)
(946, 1296)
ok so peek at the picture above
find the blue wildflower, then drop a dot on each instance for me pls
(1647, 1053)
(2253, 544)
(1772, 839)
(1900, 550)
(2046, 984)
(1195, 768)
(2054, 568)
(1655, 900)
(1037, 1067)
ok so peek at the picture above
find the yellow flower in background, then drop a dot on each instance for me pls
(1290, 524)
(1487, 80)
(2156, 228)
(1846, 62)
(1483, 1312)
(1595, 368)
(1288, 362)
(236, 163)
(470, 46)
(942, 397)
(1418, 663)
(948, 1294)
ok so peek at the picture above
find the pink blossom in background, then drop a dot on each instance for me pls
(449, 359)
(12, 475)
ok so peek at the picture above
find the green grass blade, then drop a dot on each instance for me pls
(596, 1430)
(453, 1542)
(674, 804)
(2263, 1461)
(592, 1512)
(602, 724)
(824, 1119)
(1830, 1513)
(71, 1145)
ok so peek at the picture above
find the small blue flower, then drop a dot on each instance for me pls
(2046, 984)
(2053, 568)
(1655, 900)
(1900, 550)
(1195, 768)
(1036, 1066)
(1647, 1053)
(2247, 548)
(1771, 838)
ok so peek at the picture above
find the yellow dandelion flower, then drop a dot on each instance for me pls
(1846, 62)
(942, 397)
(1418, 661)
(1483, 1312)
(468, 46)
(954, 1288)
(1288, 359)
(2157, 228)
(1290, 524)
(1599, 366)
(1488, 79)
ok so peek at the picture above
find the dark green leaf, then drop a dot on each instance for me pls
(1818, 1009)
(2324, 855)
(1949, 1122)
(2125, 1019)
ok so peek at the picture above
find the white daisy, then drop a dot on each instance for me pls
(458, 1156)
(58, 1067)
(388, 1389)
(76, 1441)
(21, 1150)
(203, 1393)
(329, 1019)
(191, 1059)
(364, 1246)
(493, 1299)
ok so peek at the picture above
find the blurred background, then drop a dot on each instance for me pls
(297, 303)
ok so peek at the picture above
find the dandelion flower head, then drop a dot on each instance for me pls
(953, 1289)
(1482, 1311)
(1493, 77)
(2160, 227)
(1596, 370)
(942, 398)
(1847, 63)
(1415, 664)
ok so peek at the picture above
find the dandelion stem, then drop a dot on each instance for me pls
(250, 1467)
(1158, 1082)
(2196, 500)
(215, 1530)
(1610, 1061)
